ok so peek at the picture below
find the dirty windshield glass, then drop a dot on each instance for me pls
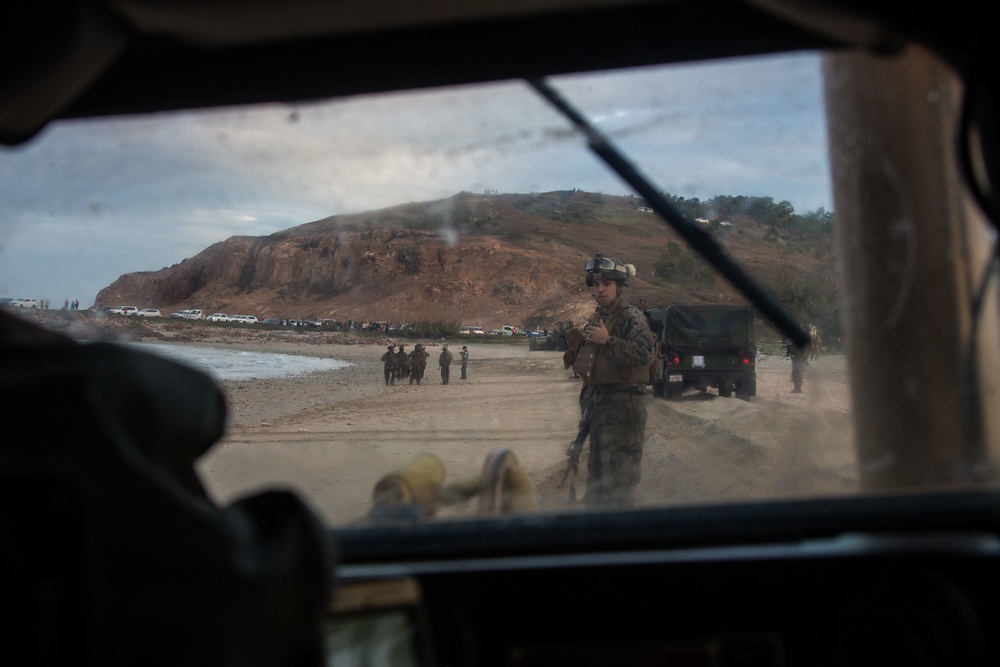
(440, 304)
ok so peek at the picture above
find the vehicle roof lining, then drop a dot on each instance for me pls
(141, 56)
(83, 58)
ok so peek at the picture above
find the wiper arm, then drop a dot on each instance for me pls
(697, 238)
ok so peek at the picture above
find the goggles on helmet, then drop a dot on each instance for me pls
(600, 263)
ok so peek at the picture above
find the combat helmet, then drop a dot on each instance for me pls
(390, 347)
(605, 268)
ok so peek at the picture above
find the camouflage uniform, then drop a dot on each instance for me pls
(389, 361)
(800, 359)
(402, 363)
(611, 401)
(444, 361)
(418, 362)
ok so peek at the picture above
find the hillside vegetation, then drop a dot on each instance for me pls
(496, 259)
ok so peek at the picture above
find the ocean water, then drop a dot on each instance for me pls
(239, 365)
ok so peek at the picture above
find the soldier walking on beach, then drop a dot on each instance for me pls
(613, 355)
(389, 365)
(444, 361)
(418, 362)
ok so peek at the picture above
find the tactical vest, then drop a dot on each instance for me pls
(594, 366)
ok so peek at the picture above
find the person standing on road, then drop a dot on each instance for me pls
(389, 365)
(800, 359)
(444, 361)
(612, 355)
(464, 354)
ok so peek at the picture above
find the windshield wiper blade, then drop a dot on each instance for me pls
(697, 238)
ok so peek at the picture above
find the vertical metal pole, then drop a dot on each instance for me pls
(914, 252)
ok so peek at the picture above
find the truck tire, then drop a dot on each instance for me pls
(672, 390)
(725, 389)
(658, 390)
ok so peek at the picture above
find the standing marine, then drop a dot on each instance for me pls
(418, 363)
(800, 359)
(612, 355)
(444, 361)
(402, 363)
(389, 365)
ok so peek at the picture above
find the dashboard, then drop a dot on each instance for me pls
(913, 593)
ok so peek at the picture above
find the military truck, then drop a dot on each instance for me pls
(556, 340)
(706, 346)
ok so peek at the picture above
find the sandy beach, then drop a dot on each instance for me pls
(332, 435)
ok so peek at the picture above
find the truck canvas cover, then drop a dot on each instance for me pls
(708, 328)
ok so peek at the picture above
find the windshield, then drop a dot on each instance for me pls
(456, 225)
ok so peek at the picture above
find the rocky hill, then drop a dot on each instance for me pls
(478, 259)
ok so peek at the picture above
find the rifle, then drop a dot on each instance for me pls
(574, 452)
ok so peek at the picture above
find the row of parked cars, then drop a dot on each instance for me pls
(132, 311)
(197, 314)
(506, 330)
(189, 314)
(241, 319)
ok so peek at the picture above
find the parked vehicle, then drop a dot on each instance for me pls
(25, 303)
(513, 331)
(706, 346)
(194, 314)
(146, 312)
(244, 319)
(218, 317)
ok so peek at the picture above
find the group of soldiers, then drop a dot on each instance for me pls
(400, 365)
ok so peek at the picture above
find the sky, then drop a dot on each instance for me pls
(88, 201)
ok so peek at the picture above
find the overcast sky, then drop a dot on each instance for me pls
(88, 201)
